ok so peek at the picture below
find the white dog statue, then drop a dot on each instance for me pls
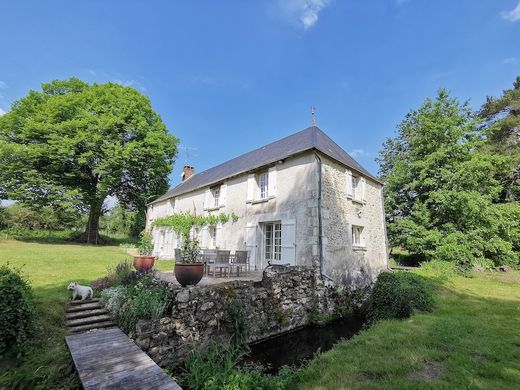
(78, 290)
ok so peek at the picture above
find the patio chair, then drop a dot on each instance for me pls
(221, 262)
(241, 260)
(208, 257)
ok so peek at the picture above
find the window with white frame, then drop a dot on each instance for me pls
(273, 241)
(263, 185)
(357, 235)
(215, 192)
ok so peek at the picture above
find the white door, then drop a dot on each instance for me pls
(288, 242)
(251, 233)
(272, 245)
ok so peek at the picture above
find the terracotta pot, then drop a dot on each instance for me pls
(188, 274)
(144, 263)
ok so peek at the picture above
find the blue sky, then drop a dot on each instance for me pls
(230, 76)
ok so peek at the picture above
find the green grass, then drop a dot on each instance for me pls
(471, 340)
(50, 267)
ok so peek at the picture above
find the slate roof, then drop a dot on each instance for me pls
(311, 138)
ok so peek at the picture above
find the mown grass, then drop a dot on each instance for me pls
(471, 340)
(50, 266)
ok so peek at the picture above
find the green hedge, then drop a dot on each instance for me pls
(398, 295)
(17, 312)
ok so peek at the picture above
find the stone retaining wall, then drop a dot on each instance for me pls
(283, 301)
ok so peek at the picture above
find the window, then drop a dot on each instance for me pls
(273, 241)
(357, 235)
(216, 196)
(263, 184)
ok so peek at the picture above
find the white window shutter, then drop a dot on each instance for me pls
(363, 191)
(289, 242)
(204, 241)
(223, 191)
(271, 182)
(250, 188)
(251, 233)
(207, 199)
(350, 190)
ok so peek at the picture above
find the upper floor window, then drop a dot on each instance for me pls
(263, 184)
(216, 196)
(355, 186)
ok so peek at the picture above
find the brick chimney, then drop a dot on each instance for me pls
(187, 172)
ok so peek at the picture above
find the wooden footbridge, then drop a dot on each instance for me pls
(105, 358)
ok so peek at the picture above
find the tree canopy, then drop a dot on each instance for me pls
(442, 188)
(501, 127)
(75, 144)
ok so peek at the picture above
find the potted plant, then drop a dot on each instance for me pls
(188, 269)
(144, 261)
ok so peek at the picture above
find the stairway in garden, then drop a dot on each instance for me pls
(82, 316)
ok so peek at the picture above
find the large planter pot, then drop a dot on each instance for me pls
(144, 263)
(188, 274)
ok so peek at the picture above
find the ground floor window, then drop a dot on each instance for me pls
(357, 235)
(273, 241)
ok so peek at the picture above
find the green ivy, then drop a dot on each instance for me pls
(183, 222)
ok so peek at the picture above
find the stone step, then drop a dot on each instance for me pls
(88, 320)
(85, 313)
(85, 306)
(95, 325)
(79, 302)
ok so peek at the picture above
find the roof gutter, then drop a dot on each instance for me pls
(320, 221)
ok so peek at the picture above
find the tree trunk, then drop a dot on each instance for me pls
(91, 234)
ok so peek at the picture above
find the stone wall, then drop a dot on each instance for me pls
(284, 300)
(355, 267)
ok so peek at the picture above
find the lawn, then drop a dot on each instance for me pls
(471, 340)
(50, 267)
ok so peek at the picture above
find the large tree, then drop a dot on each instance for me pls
(76, 144)
(441, 189)
(501, 118)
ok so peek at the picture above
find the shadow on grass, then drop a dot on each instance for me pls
(63, 237)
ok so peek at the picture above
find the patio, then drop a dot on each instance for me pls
(220, 266)
(207, 280)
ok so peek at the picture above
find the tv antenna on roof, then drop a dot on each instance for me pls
(313, 116)
(186, 150)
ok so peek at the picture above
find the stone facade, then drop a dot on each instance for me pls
(346, 263)
(283, 301)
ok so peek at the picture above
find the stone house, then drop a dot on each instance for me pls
(301, 200)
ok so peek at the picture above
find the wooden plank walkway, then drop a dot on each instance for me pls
(108, 359)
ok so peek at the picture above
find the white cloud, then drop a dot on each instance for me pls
(3, 84)
(125, 83)
(513, 15)
(305, 12)
(92, 72)
(509, 61)
(2, 112)
(359, 153)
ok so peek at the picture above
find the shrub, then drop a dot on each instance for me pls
(17, 312)
(113, 298)
(398, 295)
(439, 269)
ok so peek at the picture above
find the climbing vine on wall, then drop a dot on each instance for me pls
(182, 223)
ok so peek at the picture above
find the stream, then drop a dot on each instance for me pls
(295, 348)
